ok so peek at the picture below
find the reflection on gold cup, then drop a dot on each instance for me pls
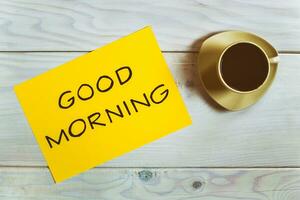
(236, 68)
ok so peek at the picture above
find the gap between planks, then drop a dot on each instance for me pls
(280, 52)
(140, 168)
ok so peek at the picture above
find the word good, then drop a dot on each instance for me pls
(108, 81)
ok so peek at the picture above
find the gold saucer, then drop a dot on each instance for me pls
(209, 58)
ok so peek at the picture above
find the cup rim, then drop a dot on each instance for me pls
(220, 73)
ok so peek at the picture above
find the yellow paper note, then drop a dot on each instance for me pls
(102, 104)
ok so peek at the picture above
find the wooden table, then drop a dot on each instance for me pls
(251, 154)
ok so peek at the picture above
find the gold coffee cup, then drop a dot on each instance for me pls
(236, 68)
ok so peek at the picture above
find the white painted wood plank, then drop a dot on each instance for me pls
(161, 184)
(178, 24)
(266, 134)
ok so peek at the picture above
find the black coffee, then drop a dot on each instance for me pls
(244, 67)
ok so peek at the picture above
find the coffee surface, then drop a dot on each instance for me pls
(244, 67)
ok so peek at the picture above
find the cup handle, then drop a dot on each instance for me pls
(274, 60)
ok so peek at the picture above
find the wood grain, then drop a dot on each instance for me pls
(162, 184)
(73, 25)
(266, 134)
